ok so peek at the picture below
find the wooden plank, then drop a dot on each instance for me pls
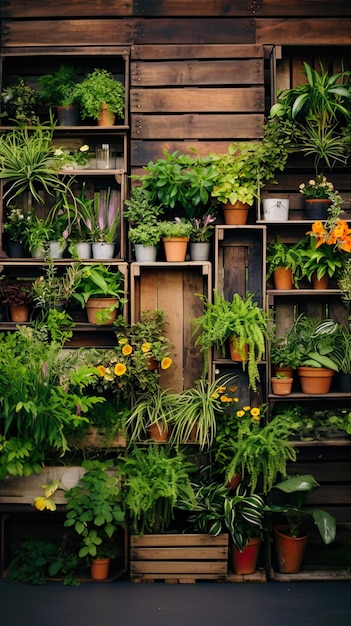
(144, 151)
(194, 72)
(194, 30)
(170, 299)
(332, 471)
(66, 8)
(186, 539)
(178, 567)
(206, 100)
(308, 31)
(76, 32)
(206, 126)
(187, 553)
(193, 307)
(199, 51)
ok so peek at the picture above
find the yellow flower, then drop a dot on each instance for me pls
(120, 369)
(146, 347)
(221, 389)
(255, 412)
(215, 395)
(225, 399)
(122, 341)
(166, 363)
(240, 413)
(41, 503)
(127, 349)
(101, 369)
(246, 408)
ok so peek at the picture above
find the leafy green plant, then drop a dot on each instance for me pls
(313, 340)
(260, 453)
(180, 227)
(217, 511)
(342, 349)
(15, 292)
(283, 353)
(280, 254)
(156, 479)
(28, 163)
(95, 509)
(97, 280)
(180, 181)
(241, 318)
(298, 488)
(18, 103)
(154, 406)
(31, 561)
(145, 234)
(97, 88)
(58, 88)
(321, 260)
(98, 217)
(51, 290)
(140, 208)
(19, 457)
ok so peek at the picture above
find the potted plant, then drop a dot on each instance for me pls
(152, 415)
(29, 163)
(16, 294)
(57, 89)
(18, 103)
(284, 355)
(290, 541)
(320, 263)
(200, 237)
(241, 514)
(144, 229)
(52, 290)
(284, 263)
(175, 237)
(180, 182)
(281, 384)
(100, 93)
(316, 194)
(101, 291)
(241, 319)
(260, 453)
(15, 229)
(94, 508)
(342, 357)
(241, 172)
(312, 118)
(195, 417)
(99, 216)
(314, 341)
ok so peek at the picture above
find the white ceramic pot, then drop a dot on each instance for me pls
(56, 249)
(200, 251)
(275, 209)
(103, 250)
(145, 253)
(84, 249)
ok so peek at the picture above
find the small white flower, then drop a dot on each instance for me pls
(84, 148)
(58, 152)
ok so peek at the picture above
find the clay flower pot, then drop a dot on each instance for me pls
(290, 550)
(315, 380)
(236, 213)
(245, 562)
(281, 386)
(99, 569)
(283, 278)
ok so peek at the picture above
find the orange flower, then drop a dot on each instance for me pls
(346, 244)
(166, 363)
(101, 369)
(120, 369)
(127, 349)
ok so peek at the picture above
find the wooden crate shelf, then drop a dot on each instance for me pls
(180, 558)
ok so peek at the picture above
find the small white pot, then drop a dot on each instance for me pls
(275, 209)
(56, 249)
(200, 251)
(145, 253)
(103, 250)
(84, 249)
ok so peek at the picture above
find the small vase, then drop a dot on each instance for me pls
(56, 249)
(15, 249)
(103, 250)
(290, 550)
(175, 249)
(316, 209)
(83, 249)
(19, 312)
(145, 254)
(235, 353)
(200, 250)
(236, 214)
(157, 432)
(320, 283)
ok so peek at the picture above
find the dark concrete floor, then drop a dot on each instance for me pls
(158, 604)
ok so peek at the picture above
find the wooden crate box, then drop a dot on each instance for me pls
(183, 558)
(172, 287)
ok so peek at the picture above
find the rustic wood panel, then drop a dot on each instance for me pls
(65, 8)
(325, 472)
(194, 30)
(186, 539)
(79, 32)
(205, 100)
(144, 151)
(188, 552)
(298, 32)
(188, 126)
(193, 307)
(200, 51)
(194, 72)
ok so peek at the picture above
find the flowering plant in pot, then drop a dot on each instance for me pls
(319, 188)
(15, 225)
(99, 217)
(18, 102)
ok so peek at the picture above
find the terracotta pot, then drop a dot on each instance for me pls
(175, 248)
(19, 312)
(281, 386)
(245, 562)
(283, 278)
(106, 118)
(320, 283)
(290, 550)
(316, 209)
(287, 370)
(235, 353)
(236, 213)
(94, 305)
(315, 380)
(234, 482)
(157, 432)
(100, 568)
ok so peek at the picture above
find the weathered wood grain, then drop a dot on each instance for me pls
(304, 31)
(194, 126)
(194, 72)
(207, 100)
